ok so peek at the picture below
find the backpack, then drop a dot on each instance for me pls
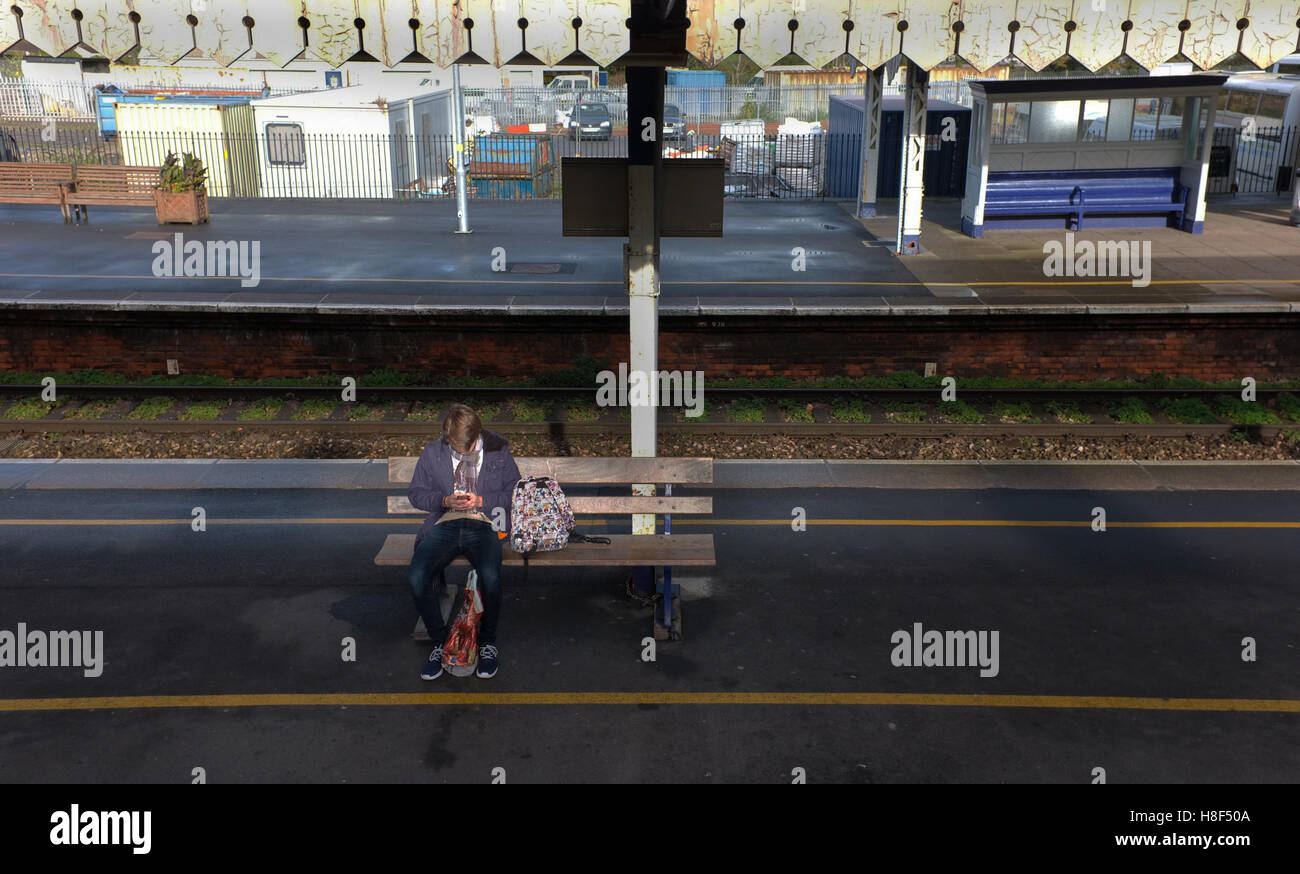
(540, 517)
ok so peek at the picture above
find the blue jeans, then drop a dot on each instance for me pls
(479, 543)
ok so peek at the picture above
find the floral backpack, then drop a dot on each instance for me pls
(540, 517)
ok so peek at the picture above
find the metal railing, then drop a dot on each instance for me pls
(1259, 161)
(26, 100)
(502, 166)
(699, 105)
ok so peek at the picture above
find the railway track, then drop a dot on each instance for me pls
(403, 411)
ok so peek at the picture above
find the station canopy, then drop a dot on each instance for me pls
(554, 32)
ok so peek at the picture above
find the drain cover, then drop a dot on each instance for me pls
(7, 446)
(536, 267)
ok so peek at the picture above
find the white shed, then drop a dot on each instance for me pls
(345, 142)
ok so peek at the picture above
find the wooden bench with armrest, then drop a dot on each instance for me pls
(110, 185)
(36, 183)
(624, 550)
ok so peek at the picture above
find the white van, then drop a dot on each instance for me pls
(569, 82)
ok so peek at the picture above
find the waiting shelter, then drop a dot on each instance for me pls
(1130, 151)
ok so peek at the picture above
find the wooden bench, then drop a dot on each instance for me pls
(624, 550)
(1074, 194)
(109, 185)
(36, 183)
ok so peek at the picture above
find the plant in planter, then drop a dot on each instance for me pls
(182, 192)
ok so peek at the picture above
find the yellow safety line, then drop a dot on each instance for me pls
(921, 523)
(577, 699)
(836, 282)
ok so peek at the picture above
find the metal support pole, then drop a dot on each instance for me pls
(668, 571)
(870, 163)
(911, 185)
(645, 99)
(462, 206)
(410, 129)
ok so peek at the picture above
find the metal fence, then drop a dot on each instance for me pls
(502, 166)
(1259, 161)
(699, 106)
(24, 99)
(529, 166)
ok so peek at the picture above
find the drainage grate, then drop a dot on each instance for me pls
(8, 446)
(540, 267)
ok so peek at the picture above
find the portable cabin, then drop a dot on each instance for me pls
(217, 130)
(1109, 151)
(347, 143)
(423, 132)
(945, 156)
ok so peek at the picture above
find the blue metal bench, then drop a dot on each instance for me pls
(1073, 194)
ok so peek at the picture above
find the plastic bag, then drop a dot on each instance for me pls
(460, 652)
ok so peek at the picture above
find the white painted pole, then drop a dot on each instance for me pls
(869, 166)
(410, 130)
(911, 185)
(462, 205)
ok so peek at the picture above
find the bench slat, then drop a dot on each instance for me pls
(591, 470)
(34, 183)
(113, 185)
(601, 504)
(624, 550)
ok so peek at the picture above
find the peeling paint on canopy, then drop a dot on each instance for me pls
(1036, 31)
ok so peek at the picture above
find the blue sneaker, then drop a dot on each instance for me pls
(433, 667)
(487, 661)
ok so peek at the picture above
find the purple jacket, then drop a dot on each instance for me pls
(432, 480)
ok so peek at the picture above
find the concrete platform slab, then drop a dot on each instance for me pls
(16, 474)
(380, 256)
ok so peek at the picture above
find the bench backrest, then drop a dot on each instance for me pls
(33, 177)
(569, 471)
(1139, 183)
(100, 179)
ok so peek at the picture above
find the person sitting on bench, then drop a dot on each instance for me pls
(463, 479)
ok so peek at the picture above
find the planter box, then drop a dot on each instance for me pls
(189, 207)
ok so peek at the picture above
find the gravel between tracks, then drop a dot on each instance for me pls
(289, 444)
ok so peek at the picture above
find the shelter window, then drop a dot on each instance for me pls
(1010, 123)
(1170, 124)
(1119, 123)
(285, 145)
(1095, 113)
(1054, 121)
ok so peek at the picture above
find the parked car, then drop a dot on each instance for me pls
(9, 148)
(674, 124)
(615, 100)
(590, 121)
